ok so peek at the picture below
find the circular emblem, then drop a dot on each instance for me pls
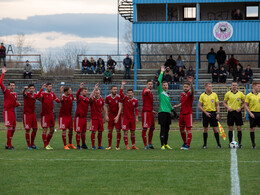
(223, 31)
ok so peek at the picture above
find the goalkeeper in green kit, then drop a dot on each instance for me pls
(165, 109)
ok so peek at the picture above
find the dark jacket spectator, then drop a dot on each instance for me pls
(232, 61)
(107, 75)
(221, 57)
(170, 62)
(176, 78)
(181, 74)
(127, 62)
(237, 15)
(3, 53)
(167, 77)
(244, 79)
(179, 62)
(211, 56)
(237, 74)
(215, 74)
(100, 66)
(249, 73)
(190, 72)
(155, 80)
(111, 64)
(85, 65)
(222, 75)
(27, 70)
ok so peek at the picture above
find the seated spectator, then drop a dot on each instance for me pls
(190, 73)
(237, 74)
(155, 80)
(85, 65)
(237, 15)
(27, 70)
(179, 62)
(170, 62)
(175, 79)
(238, 63)
(215, 74)
(232, 61)
(244, 79)
(226, 67)
(93, 65)
(100, 66)
(211, 57)
(111, 64)
(249, 73)
(222, 75)
(107, 75)
(181, 74)
(167, 77)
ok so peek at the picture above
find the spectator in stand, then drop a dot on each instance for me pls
(244, 79)
(27, 70)
(222, 75)
(238, 63)
(226, 67)
(100, 66)
(190, 73)
(237, 74)
(181, 74)
(155, 80)
(93, 65)
(107, 76)
(215, 74)
(175, 79)
(211, 56)
(237, 15)
(3, 54)
(249, 73)
(232, 61)
(85, 65)
(170, 62)
(111, 64)
(167, 77)
(179, 62)
(127, 62)
(221, 57)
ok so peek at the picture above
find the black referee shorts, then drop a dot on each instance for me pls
(164, 118)
(212, 120)
(234, 117)
(255, 121)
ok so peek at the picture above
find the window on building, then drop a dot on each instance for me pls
(189, 13)
(252, 12)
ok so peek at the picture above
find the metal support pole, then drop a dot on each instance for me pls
(198, 12)
(197, 72)
(166, 12)
(137, 63)
(117, 28)
(258, 55)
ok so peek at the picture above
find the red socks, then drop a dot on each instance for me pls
(78, 138)
(83, 137)
(64, 138)
(33, 135)
(118, 138)
(44, 139)
(150, 136)
(144, 137)
(93, 135)
(70, 136)
(9, 137)
(100, 138)
(126, 139)
(109, 136)
(189, 138)
(133, 140)
(50, 134)
(183, 135)
(27, 137)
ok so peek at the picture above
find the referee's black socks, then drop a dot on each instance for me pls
(230, 136)
(252, 136)
(205, 137)
(217, 138)
(239, 136)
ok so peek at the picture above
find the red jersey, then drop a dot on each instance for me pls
(47, 102)
(82, 105)
(113, 104)
(186, 103)
(66, 105)
(29, 102)
(10, 98)
(96, 108)
(130, 106)
(147, 97)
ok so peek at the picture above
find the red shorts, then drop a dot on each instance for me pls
(185, 120)
(66, 122)
(80, 124)
(29, 121)
(128, 124)
(9, 118)
(96, 125)
(112, 124)
(148, 120)
(47, 121)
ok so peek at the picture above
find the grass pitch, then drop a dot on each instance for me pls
(195, 171)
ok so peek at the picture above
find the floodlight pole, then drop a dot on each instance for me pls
(117, 27)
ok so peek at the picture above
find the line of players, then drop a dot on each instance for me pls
(111, 110)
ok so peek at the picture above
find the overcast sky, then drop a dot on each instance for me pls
(54, 23)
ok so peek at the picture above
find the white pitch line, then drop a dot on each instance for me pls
(235, 184)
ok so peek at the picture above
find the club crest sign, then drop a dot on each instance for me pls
(223, 31)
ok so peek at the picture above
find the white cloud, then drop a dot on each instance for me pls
(22, 9)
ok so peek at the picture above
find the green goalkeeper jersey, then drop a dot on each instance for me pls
(164, 99)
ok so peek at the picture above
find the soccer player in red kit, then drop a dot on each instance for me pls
(65, 117)
(10, 102)
(47, 118)
(113, 104)
(80, 121)
(147, 115)
(130, 115)
(185, 119)
(96, 122)
(29, 116)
